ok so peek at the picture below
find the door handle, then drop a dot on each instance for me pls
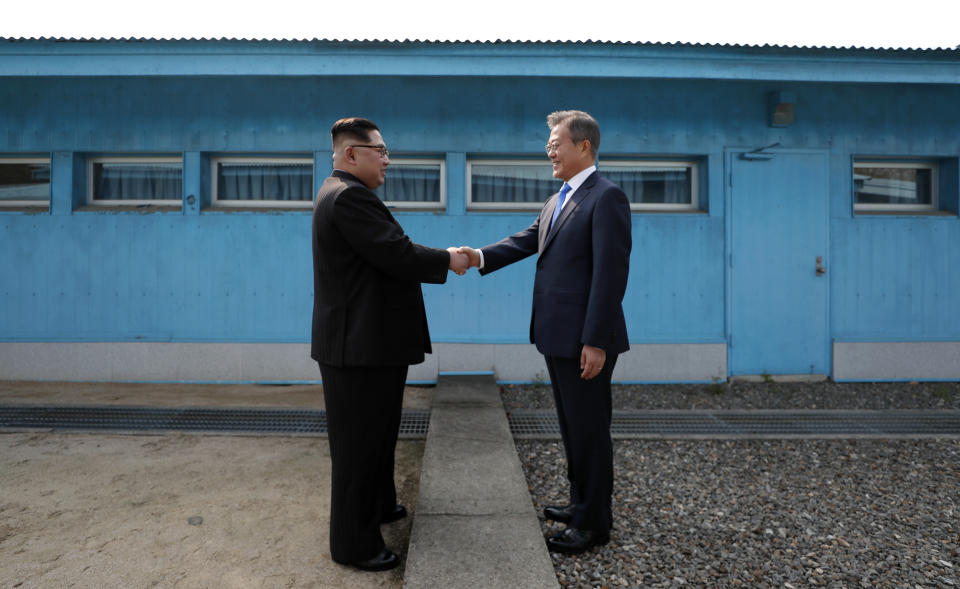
(821, 269)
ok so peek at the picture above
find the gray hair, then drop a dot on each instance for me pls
(581, 126)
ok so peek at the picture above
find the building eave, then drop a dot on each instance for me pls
(588, 59)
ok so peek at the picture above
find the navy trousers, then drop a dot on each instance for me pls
(584, 410)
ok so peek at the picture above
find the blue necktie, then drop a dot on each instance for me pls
(563, 196)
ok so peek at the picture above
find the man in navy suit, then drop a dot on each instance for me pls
(582, 237)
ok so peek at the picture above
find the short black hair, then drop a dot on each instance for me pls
(355, 127)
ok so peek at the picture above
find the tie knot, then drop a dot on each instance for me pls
(564, 189)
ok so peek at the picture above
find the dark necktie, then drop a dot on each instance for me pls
(563, 196)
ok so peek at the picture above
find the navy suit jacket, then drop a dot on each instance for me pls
(582, 270)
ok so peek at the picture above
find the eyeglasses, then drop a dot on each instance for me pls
(552, 147)
(384, 152)
(555, 146)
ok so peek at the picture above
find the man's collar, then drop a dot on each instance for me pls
(344, 174)
(580, 177)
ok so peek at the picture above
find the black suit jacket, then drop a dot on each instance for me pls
(581, 271)
(367, 304)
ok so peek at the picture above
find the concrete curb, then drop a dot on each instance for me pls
(474, 525)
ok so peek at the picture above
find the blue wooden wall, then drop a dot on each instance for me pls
(202, 275)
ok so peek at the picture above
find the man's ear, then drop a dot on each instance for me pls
(586, 147)
(349, 155)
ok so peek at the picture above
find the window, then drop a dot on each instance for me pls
(24, 182)
(414, 183)
(655, 185)
(249, 181)
(894, 185)
(649, 185)
(509, 184)
(135, 181)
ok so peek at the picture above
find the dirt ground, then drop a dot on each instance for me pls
(180, 395)
(188, 511)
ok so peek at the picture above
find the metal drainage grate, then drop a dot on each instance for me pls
(535, 424)
(413, 423)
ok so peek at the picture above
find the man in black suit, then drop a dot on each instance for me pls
(583, 240)
(369, 325)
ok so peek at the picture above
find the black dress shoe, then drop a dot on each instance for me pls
(558, 513)
(399, 512)
(574, 541)
(384, 561)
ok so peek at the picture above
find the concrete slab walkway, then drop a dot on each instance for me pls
(475, 524)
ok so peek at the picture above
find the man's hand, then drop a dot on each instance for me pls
(459, 262)
(591, 361)
(471, 253)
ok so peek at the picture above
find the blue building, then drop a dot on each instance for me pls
(795, 209)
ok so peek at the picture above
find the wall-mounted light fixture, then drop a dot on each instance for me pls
(780, 108)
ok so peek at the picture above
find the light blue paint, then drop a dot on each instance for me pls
(456, 169)
(899, 276)
(196, 183)
(778, 303)
(198, 275)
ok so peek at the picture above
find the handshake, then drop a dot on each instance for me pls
(463, 258)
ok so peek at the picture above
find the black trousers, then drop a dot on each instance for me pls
(363, 406)
(584, 410)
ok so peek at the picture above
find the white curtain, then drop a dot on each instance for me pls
(500, 184)
(411, 183)
(648, 185)
(144, 181)
(265, 181)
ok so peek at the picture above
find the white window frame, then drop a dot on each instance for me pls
(504, 206)
(874, 162)
(415, 205)
(601, 165)
(694, 203)
(91, 162)
(238, 159)
(27, 203)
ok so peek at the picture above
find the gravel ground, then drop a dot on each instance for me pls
(759, 395)
(767, 513)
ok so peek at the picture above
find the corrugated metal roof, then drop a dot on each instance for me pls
(130, 56)
(684, 44)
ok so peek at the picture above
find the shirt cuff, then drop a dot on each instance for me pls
(480, 267)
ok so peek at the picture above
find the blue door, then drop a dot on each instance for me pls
(778, 287)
